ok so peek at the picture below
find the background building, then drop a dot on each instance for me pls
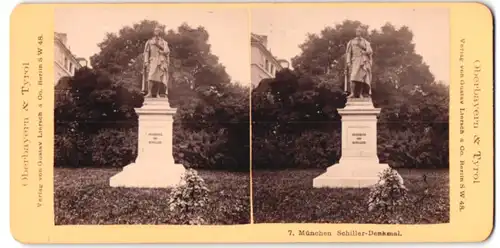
(65, 63)
(264, 64)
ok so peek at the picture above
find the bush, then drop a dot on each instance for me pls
(117, 147)
(199, 149)
(107, 148)
(387, 197)
(203, 149)
(188, 200)
(413, 149)
(310, 149)
(71, 150)
(272, 152)
(213, 131)
(317, 149)
(114, 147)
(420, 148)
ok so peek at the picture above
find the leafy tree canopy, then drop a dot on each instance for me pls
(90, 100)
(397, 67)
(193, 68)
(403, 85)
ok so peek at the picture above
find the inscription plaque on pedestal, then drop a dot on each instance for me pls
(156, 138)
(358, 137)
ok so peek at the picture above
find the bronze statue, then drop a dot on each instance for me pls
(156, 62)
(359, 62)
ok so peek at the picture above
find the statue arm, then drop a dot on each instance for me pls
(348, 53)
(166, 49)
(369, 50)
(146, 52)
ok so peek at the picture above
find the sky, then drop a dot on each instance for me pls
(287, 28)
(229, 30)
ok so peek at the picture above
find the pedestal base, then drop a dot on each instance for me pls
(154, 166)
(350, 175)
(137, 175)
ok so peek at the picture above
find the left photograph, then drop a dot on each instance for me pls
(151, 116)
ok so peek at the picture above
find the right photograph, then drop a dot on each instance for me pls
(350, 115)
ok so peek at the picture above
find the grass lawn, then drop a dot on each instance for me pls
(84, 197)
(288, 197)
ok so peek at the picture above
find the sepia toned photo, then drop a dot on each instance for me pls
(350, 114)
(232, 123)
(151, 116)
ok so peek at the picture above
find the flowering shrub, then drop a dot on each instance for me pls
(188, 200)
(387, 196)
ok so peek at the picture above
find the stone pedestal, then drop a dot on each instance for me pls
(154, 166)
(359, 164)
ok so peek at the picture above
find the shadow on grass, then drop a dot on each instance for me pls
(84, 197)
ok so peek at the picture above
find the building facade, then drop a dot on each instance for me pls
(264, 64)
(65, 63)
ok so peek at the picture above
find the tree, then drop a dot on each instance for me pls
(401, 80)
(213, 114)
(397, 69)
(294, 102)
(414, 106)
(193, 67)
(195, 73)
(87, 106)
(289, 112)
(97, 102)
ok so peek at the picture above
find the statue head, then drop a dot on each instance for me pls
(157, 31)
(359, 31)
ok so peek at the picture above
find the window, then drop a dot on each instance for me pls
(71, 68)
(66, 63)
(272, 70)
(267, 65)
